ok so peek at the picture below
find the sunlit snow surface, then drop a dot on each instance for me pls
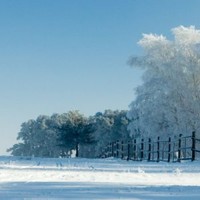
(39, 178)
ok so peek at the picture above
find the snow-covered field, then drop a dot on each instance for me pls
(37, 178)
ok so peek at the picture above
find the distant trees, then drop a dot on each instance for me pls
(61, 134)
(111, 126)
(168, 101)
(39, 137)
(108, 126)
(75, 131)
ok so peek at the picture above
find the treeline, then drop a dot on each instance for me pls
(70, 134)
(166, 104)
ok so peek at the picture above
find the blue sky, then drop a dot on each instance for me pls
(63, 55)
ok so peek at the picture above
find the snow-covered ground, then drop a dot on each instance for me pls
(37, 178)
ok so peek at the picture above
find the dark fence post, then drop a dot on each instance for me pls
(128, 151)
(134, 149)
(179, 148)
(142, 150)
(106, 151)
(117, 149)
(112, 149)
(109, 149)
(169, 149)
(158, 149)
(193, 145)
(149, 150)
(122, 149)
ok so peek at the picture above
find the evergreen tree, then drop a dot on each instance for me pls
(75, 131)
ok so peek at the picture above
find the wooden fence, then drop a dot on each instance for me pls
(171, 150)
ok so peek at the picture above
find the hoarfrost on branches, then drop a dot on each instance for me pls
(168, 102)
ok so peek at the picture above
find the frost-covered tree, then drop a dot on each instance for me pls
(25, 147)
(61, 134)
(108, 127)
(168, 102)
(40, 137)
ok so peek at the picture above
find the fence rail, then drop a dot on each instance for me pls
(171, 150)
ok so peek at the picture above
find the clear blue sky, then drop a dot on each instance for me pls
(61, 55)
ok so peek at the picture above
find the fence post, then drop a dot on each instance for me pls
(102, 154)
(193, 145)
(106, 151)
(122, 149)
(179, 148)
(128, 151)
(158, 149)
(134, 149)
(169, 149)
(149, 150)
(117, 149)
(142, 149)
(112, 149)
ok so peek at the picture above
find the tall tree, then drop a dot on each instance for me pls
(168, 102)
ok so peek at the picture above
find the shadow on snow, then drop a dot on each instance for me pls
(101, 191)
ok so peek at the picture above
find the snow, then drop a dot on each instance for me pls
(40, 178)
